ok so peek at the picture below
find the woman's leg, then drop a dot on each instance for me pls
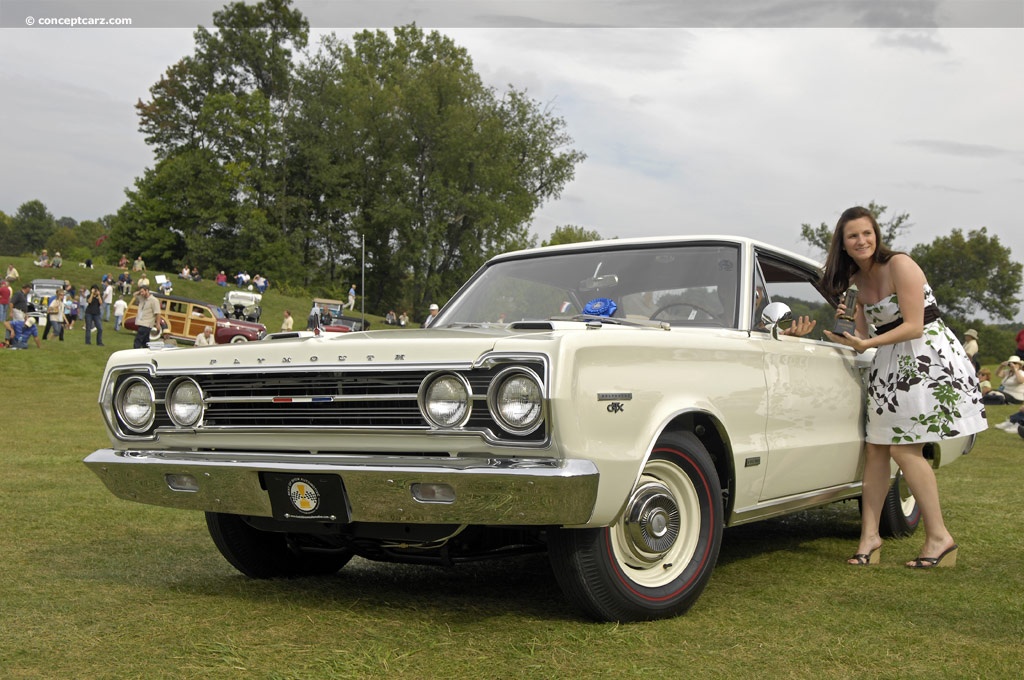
(921, 479)
(877, 472)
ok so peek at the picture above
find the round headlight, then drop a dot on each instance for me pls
(135, 404)
(517, 402)
(445, 400)
(185, 403)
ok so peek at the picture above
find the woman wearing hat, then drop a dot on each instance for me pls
(971, 347)
(1011, 391)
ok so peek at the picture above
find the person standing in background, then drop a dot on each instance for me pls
(351, 297)
(5, 300)
(147, 318)
(1020, 344)
(19, 302)
(432, 312)
(56, 317)
(108, 298)
(286, 325)
(971, 347)
(120, 307)
(93, 307)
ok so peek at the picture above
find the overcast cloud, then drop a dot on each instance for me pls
(750, 131)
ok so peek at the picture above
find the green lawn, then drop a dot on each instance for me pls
(95, 587)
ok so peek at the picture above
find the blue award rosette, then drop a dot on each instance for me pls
(600, 307)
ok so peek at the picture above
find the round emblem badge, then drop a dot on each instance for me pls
(303, 495)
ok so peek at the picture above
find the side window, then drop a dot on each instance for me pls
(796, 286)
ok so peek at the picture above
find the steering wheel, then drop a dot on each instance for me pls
(691, 305)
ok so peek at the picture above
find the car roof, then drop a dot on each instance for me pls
(641, 242)
(175, 298)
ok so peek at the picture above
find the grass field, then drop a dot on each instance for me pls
(95, 587)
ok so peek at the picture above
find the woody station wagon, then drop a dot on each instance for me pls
(636, 398)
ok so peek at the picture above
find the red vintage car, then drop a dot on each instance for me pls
(186, 318)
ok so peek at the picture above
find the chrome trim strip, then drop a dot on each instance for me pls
(781, 506)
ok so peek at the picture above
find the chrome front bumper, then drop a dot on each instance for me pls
(377, 488)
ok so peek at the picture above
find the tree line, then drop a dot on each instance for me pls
(286, 159)
(275, 156)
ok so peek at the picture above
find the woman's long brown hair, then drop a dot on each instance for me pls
(839, 266)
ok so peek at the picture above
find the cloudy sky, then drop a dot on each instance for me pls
(744, 123)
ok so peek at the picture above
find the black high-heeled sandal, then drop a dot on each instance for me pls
(865, 559)
(946, 559)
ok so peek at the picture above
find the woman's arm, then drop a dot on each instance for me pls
(909, 281)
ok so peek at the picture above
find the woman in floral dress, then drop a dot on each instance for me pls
(921, 385)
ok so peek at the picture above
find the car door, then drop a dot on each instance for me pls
(200, 318)
(815, 391)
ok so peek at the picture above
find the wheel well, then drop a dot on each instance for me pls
(710, 433)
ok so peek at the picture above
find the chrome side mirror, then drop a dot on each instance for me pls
(777, 316)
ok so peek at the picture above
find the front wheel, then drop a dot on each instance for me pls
(656, 559)
(239, 338)
(269, 554)
(900, 512)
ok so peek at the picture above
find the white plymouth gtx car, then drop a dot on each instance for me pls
(615, 404)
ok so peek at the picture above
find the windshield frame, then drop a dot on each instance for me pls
(693, 270)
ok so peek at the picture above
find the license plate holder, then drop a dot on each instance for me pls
(307, 497)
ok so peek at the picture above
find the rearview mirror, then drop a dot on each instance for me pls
(606, 281)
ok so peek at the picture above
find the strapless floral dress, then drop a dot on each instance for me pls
(921, 390)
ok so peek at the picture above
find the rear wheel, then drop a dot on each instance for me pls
(900, 512)
(655, 561)
(269, 554)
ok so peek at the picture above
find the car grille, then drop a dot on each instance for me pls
(354, 399)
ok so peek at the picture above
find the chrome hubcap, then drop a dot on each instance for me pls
(652, 521)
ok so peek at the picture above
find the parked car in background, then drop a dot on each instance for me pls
(186, 318)
(616, 404)
(339, 322)
(39, 297)
(243, 305)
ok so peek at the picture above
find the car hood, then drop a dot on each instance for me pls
(404, 347)
(240, 323)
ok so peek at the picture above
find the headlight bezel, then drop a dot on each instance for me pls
(500, 381)
(423, 399)
(169, 403)
(133, 425)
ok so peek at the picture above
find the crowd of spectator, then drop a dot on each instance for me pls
(107, 300)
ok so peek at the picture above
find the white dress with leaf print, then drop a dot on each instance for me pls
(921, 390)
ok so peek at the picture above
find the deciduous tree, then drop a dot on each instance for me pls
(971, 275)
(570, 233)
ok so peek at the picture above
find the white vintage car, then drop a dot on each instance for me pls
(636, 398)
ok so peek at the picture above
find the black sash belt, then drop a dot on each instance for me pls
(931, 313)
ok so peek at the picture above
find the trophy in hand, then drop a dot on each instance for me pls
(846, 323)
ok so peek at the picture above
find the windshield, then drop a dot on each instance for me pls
(679, 284)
